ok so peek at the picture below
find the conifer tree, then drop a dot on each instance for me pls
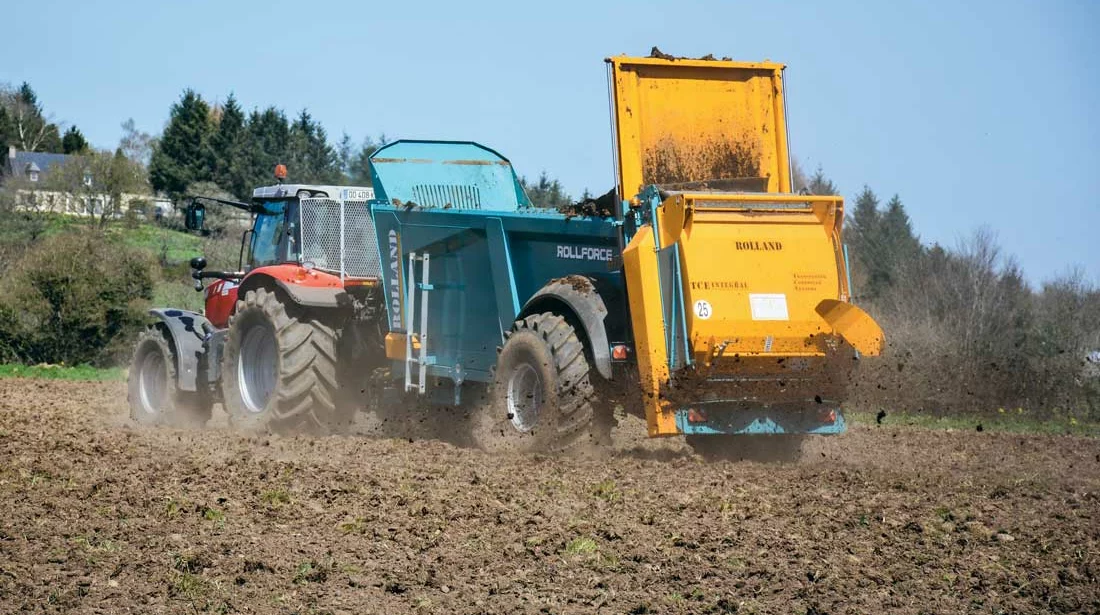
(312, 159)
(546, 192)
(182, 156)
(861, 234)
(359, 173)
(819, 184)
(230, 150)
(345, 156)
(268, 144)
(864, 220)
(74, 142)
(7, 130)
(897, 231)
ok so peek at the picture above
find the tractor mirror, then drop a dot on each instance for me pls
(195, 216)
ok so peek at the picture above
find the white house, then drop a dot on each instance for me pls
(26, 173)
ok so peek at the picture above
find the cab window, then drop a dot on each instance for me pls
(268, 233)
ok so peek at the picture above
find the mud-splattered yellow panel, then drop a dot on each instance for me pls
(699, 124)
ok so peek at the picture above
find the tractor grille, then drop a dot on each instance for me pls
(338, 236)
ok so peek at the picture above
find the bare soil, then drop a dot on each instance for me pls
(98, 515)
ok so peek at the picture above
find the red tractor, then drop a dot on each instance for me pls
(275, 332)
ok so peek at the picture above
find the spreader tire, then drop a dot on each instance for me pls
(541, 399)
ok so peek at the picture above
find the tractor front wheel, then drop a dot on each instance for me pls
(279, 369)
(153, 390)
(541, 399)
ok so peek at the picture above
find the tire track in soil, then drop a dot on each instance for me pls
(100, 515)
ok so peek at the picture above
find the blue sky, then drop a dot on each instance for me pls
(979, 114)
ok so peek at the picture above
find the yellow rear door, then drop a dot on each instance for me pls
(699, 124)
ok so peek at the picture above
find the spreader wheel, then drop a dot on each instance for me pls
(541, 398)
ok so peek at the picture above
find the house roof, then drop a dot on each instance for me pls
(20, 165)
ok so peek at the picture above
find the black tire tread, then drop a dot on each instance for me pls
(185, 408)
(307, 384)
(570, 423)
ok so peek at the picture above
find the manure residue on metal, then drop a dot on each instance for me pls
(599, 207)
(670, 161)
(578, 283)
(657, 53)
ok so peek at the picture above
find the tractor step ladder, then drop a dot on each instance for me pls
(422, 360)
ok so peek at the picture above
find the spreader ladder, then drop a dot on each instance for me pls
(422, 360)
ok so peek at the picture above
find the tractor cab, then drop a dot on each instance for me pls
(281, 213)
(303, 224)
(301, 235)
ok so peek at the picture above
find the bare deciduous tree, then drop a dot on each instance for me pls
(31, 129)
(98, 183)
(136, 145)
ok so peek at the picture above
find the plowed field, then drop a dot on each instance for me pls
(98, 515)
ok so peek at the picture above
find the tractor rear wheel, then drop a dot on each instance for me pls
(541, 399)
(153, 390)
(279, 368)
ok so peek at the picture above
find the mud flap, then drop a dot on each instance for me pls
(189, 331)
(854, 325)
(582, 297)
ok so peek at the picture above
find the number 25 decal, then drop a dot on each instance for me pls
(703, 309)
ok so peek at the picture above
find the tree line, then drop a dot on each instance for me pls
(205, 148)
(238, 151)
(222, 145)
